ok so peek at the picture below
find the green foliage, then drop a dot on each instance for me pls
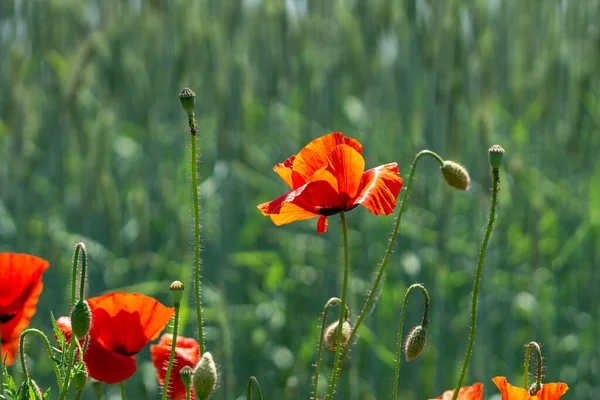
(93, 147)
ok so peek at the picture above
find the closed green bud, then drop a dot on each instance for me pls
(81, 319)
(188, 101)
(330, 336)
(496, 153)
(415, 342)
(205, 377)
(80, 377)
(186, 375)
(176, 289)
(456, 175)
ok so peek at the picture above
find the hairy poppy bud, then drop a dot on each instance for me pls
(29, 390)
(496, 153)
(80, 377)
(415, 342)
(188, 101)
(176, 289)
(186, 375)
(81, 318)
(534, 388)
(330, 335)
(205, 376)
(456, 175)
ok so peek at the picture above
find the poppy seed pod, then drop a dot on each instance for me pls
(80, 377)
(330, 335)
(496, 153)
(186, 375)
(456, 175)
(415, 342)
(81, 319)
(176, 289)
(205, 376)
(188, 101)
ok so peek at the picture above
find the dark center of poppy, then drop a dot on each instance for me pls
(329, 210)
(4, 318)
(121, 350)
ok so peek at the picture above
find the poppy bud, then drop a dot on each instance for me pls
(176, 289)
(331, 335)
(415, 342)
(456, 175)
(187, 98)
(205, 376)
(186, 375)
(29, 390)
(496, 153)
(80, 377)
(81, 319)
(534, 388)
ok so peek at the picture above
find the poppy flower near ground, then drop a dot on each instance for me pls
(20, 288)
(549, 391)
(328, 176)
(187, 353)
(122, 324)
(473, 392)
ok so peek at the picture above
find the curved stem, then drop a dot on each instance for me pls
(336, 363)
(424, 322)
(79, 393)
(172, 356)
(122, 384)
(388, 253)
(253, 383)
(538, 377)
(332, 301)
(476, 283)
(79, 247)
(48, 349)
(192, 125)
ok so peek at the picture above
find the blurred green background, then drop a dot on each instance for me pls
(93, 147)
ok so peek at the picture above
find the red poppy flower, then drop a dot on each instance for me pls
(473, 392)
(328, 176)
(122, 324)
(20, 288)
(187, 353)
(549, 391)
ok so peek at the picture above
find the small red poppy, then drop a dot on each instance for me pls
(473, 392)
(328, 176)
(20, 288)
(122, 324)
(187, 353)
(549, 391)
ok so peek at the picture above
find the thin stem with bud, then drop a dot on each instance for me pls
(48, 350)
(538, 352)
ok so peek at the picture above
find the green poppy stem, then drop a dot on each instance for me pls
(253, 385)
(424, 322)
(79, 248)
(172, 356)
(332, 301)
(538, 351)
(122, 385)
(374, 288)
(48, 350)
(336, 363)
(477, 281)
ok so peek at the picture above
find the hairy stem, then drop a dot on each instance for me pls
(332, 301)
(253, 385)
(172, 356)
(538, 377)
(48, 350)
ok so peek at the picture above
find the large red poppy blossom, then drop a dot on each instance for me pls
(473, 392)
(187, 353)
(122, 324)
(328, 176)
(549, 391)
(20, 288)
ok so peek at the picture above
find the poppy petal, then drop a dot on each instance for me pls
(379, 189)
(473, 392)
(108, 366)
(19, 273)
(314, 155)
(552, 391)
(346, 165)
(126, 322)
(20, 321)
(9, 350)
(510, 392)
(187, 353)
(284, 170)
(322, 224)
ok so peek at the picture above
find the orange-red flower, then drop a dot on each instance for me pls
(20, 288)
(328, 176)
(122, 324)
(473, 392)
(187, 353)
(549, 391)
